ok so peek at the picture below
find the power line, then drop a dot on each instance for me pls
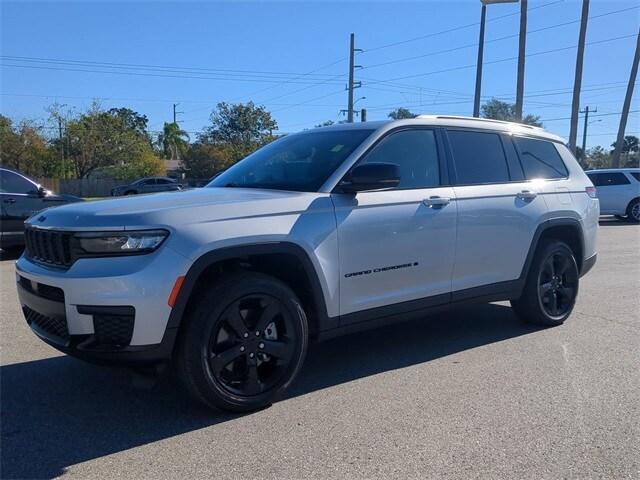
(454, 29)
(592, 116)
(470, 45)
(544, 52)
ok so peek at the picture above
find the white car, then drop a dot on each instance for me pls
(618, 191)
(321, 233)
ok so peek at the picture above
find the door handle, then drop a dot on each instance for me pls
(436, 202)
(9, 200)
(527, 195)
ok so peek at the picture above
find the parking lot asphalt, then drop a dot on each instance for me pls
(472, 393)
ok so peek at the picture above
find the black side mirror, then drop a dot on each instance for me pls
(372, 176)
(42, 192)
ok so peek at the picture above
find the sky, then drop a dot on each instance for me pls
(292, 57)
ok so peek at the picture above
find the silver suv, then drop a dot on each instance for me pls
(318, 234)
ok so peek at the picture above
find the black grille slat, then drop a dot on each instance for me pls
(52, 326)
(49, 247)
(113, 329)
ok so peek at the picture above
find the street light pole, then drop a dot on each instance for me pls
(476, 100)
(521, 53)
(483, 17)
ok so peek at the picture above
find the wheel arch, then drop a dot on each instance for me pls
(568, 230)
(284, 260)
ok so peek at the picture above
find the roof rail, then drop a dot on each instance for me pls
(489, 120)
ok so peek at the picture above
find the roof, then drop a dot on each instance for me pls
(452, 121)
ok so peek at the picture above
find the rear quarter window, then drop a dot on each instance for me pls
(608, 179)
(540, 159)
(635, 175)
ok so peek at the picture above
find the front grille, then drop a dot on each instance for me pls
(113, 329)
(48, 246)
(53, 326)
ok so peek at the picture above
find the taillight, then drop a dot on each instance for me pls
(591, 191)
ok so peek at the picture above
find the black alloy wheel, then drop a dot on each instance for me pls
(243, 343)
(557, 284)
(248, 351)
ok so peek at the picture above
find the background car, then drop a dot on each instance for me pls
(147, 185)
(21, 197)
(618, 191)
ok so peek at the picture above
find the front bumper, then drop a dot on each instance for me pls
(120, 316)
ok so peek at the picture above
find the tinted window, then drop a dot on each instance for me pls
(635, 175)
(478, 157)
(301, 162)
(12, 183)
(540, 159)
(608, 179)
(415, 152)
(164, 181)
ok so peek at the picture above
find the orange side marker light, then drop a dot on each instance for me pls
(175, 291)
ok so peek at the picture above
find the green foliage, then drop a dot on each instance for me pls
(24, 148)
(597, 157)
(630, 144)
(174, 141)
(145, 164)
(328, 123)
(401, 113)
(499, 110)
(239, 128)
(206, 159)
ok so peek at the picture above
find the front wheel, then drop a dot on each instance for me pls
(244, 343)
(551, 286)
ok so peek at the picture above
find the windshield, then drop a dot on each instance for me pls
(300, 162)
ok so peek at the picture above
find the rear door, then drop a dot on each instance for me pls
(614, 191)
(498, 211)
(397, 246)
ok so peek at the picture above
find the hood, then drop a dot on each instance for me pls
(174, 208)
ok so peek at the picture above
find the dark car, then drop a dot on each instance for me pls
(21, 197)
(147, 185)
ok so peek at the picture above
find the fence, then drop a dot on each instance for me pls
(96, 187)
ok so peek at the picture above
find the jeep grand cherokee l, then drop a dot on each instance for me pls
(317, 234)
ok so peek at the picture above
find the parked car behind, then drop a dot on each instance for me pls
(22, 197)
(618, 191)
(147, 185)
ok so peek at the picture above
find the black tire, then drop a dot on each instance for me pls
(633, 211)
(222, 354)
(551, 287)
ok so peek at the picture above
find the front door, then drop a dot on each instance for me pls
(397, 245)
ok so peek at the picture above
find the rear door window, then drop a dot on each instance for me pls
(608, 179)
(540, 159)
(478, 157)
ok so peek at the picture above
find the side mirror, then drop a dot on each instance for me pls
(372, 176)
(42, 192)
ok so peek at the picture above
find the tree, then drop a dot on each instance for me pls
(240, 128)
(629, 145)
(328, 123)
(401, 113)
(23, 147)
(174, 141)
(132, 120)
(145, 164)
(205, 159)
(499, 110)
(98, 138)
(597, 157)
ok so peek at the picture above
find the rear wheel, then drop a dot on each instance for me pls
(244, 343)
(633, 211)
(551, 287)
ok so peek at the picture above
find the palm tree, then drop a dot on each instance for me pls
(173, 140)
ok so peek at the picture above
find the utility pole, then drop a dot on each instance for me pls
(352, 83)
(521, 53)
(476, 99)
(175, 113)
(625, 108)
(586, 124)
(363, 115)
(60, 139)
(577, 83)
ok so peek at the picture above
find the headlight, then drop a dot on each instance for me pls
(120, 243)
